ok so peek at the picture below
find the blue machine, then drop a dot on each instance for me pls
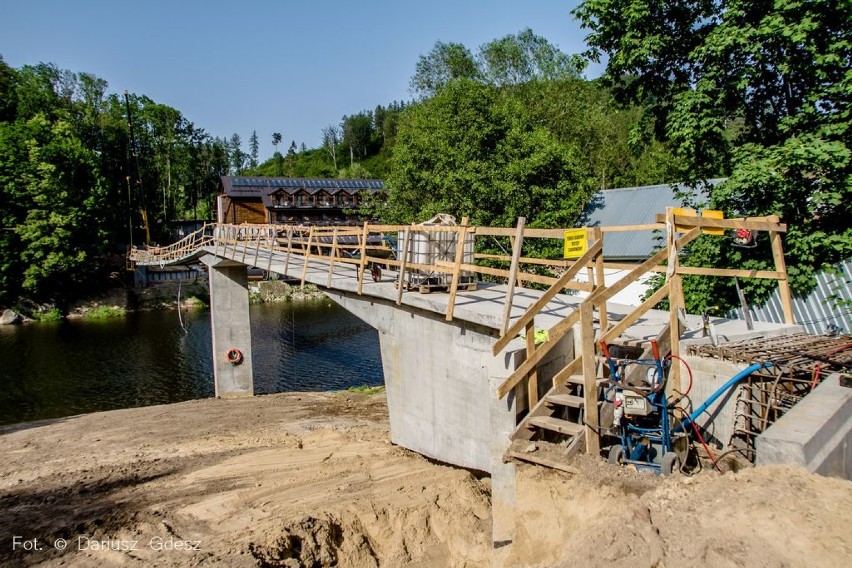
(642, 416)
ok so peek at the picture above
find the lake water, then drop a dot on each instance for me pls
(51, 370)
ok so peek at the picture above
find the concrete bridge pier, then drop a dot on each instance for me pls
(229, 318)
(441, 380)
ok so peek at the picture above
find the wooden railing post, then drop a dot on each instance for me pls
(454, 284)
(331, 256)
(590, 378)
(676, 301)
(306, 257)
(363, 264)
(783, 284)
(513, 272)
(289, 249)
(532, 380)
(403, 262)
(600, 281)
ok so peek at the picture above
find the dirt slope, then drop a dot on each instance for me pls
(311, 480)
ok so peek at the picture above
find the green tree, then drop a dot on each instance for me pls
(444, 63)
(357, 134)
(330, 141)
(291, 158)
(516, 59)
(53, 183)
(254, 149)
(756, 91)
(470, 152)
(237, 156)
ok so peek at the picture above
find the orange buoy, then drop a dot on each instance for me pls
(235, 356)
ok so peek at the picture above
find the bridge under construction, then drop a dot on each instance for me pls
(490, 355)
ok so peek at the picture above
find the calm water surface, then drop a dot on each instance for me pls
(74, 367)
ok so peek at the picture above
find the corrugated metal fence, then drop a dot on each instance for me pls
(822, 311)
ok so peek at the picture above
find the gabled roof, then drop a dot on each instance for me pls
(245, 186)
(636, 206)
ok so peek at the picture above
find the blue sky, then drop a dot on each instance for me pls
(286, 66)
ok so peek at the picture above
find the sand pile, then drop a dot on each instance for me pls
(312, 480)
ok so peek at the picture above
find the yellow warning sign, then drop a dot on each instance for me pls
(576, 243)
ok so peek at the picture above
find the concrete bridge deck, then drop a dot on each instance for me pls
(482, 307)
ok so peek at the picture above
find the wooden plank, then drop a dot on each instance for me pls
(257, 250)
(402, 267)
(783, 285)
(289, 250)
(568, 400)
(461, 233)
(525, 260)
(362, 265)
(532, 379)
(625, 228)
(512, 232)
(331, 256)
(307, 257)
(554, 334)
(702, 271)
(676, 303)
(590, 386)
(513, 272)
(541, 460)
(607, 293)
(556, 425)
(752, 223)
(548, 295)
(600, 282)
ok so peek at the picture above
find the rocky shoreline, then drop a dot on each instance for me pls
(165, 296)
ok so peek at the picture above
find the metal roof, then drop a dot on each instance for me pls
(246, 186)
(636, 206)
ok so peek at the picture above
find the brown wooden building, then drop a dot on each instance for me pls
(246, 199)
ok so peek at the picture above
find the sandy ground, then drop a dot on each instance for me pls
(310, 479)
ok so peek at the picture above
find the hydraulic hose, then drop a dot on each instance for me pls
(722, 390)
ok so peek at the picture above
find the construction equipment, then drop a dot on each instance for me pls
(643, 416)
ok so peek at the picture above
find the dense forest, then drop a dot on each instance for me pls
(692, 90)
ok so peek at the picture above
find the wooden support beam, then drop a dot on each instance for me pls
(289, 250)
(331, 256)
(600, 281)
(607, 293)
(513, 272)
(554, 334)
(257, 249)
(461, 233)
(702, 271)
(306, 257)
(545, 298)
(783, 285)
(402, 267)
(525, 260)
(752, 223)
(676, 303)
(614, 332)
(590, 385)
(363, 264)
(532, 379)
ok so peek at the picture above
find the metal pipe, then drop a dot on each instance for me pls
(722, 390)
